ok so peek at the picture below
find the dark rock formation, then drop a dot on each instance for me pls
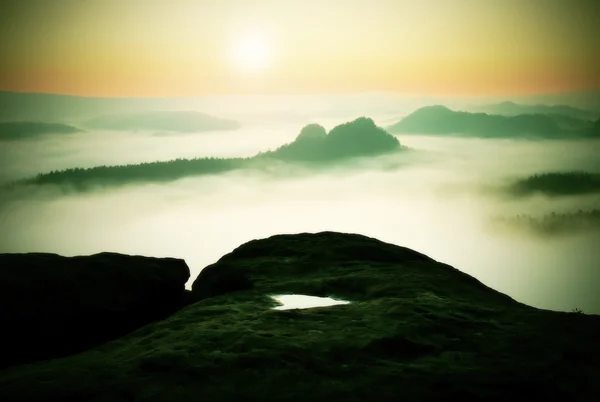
(312, 132)
(415, 330)
(53, 306)
(595, 129)
(219, 279)
(282, 263)
(358, 138)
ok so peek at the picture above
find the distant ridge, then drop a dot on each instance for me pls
(358, 138)
(22, 130)
(509, 108)
(438, 120)
(182, 121)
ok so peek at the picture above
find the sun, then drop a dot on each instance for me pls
(252, 52)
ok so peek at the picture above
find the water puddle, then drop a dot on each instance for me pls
(289, 302)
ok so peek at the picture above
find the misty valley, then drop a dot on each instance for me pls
(508, 193)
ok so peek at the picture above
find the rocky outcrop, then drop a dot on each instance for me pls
(345, 265)
(595, 130)
(357, 138)
(415, 329)
(312, 132)
(219, 279)
(53, 306)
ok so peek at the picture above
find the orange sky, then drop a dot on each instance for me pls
(192, 47)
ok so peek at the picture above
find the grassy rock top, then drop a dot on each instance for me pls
(341, 265)
(415, 330)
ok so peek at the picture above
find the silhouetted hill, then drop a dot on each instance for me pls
(83, 179)
(438, 120)
(176, 121)
(514, 109)
(415, 330)
(53, 306)
(557, 184)
(58, 108)
(359, 138)
(569, 123)
(586, 100)
(22, 130)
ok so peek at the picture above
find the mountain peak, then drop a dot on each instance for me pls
(363, 120)
(360, 137)
(508, 103)
(312, 132)
(435, 108)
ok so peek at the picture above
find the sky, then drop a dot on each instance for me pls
(174, 48)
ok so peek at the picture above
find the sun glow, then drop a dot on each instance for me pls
(252, 52)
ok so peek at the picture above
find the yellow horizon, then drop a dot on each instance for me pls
(183, 47)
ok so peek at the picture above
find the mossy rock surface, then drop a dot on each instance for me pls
(415, 330)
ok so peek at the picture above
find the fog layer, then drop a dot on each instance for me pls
(440, 200)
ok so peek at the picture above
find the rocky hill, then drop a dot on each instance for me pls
(358, 138)
(415, 330)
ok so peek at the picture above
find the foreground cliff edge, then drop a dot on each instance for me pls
(54, 306)
(415, 330)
